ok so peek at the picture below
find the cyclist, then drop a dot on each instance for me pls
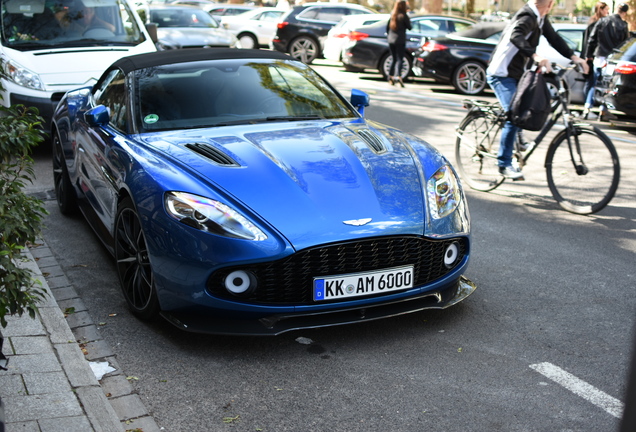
(516, 47)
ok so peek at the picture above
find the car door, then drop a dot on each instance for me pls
(99, 166)
(319, 20)
(264, 26)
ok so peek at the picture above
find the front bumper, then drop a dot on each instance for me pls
(273, 325)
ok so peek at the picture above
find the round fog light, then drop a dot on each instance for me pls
(239, 281)
(451, 255)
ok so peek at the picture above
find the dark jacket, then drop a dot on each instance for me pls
(398, 36)
(585, 52)
(610, 32)
(519, 41)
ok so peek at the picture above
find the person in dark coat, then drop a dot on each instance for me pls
(396, 29)
(601, 10)
(515, 51)
(609, 33)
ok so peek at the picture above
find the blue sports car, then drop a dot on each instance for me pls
(240, 193)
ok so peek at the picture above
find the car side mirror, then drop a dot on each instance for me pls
(359, 100)
(97, 116)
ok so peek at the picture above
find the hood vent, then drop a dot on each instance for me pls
(212, 153)
(374, 141)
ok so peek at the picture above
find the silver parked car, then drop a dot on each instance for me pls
(254, 28)
(188, 27)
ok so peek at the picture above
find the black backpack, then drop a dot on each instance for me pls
(531, 103)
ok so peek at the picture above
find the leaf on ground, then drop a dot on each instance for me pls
(68, 311)
(229, 420)
(132, 378)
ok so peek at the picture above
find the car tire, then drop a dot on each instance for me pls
(64, 192)
(385, 64)
(248, 41)
(553, 88)
(304, 48)
(133, 263)
(469, 78)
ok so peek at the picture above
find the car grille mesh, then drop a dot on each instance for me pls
(290, 280)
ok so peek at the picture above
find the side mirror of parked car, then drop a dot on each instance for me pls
(359, 100)
(97, 116)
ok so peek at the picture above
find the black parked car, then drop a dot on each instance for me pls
(302, 31)
(368, 48)
(459, 58)
(618, 86)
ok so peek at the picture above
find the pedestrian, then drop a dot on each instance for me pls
(610, 32)
(515, 51)
(396, 29)
(601, 9)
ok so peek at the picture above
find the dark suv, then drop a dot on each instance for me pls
(302, 31)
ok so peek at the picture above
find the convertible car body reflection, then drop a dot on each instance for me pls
(240, 193)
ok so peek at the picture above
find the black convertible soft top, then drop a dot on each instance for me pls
(142, 61)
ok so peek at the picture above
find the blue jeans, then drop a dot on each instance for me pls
(504, 88)
(595, 73)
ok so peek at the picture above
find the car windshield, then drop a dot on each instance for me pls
(182, 17)
(230, 92)
(37, 24)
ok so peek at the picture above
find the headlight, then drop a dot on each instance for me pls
(23, 76)
(443, 192)
(211, 216)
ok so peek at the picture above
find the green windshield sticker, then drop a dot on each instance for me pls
(151, 118)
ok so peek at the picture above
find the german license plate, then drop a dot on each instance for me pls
(361, 284)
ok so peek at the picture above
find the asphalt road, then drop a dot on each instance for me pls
(542, 345)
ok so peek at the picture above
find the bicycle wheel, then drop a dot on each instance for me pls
(476, 152)
(586, 182)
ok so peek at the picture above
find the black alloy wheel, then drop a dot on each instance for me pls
(133, 263)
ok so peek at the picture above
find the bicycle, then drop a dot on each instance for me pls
(581, 164)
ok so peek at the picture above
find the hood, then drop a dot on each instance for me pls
(196, 37)
(315, 182)
(62, 69)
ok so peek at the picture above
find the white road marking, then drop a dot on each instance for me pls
(581, 388)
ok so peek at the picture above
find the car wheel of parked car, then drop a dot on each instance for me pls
(553, 88)
(66, 198)
(469, 78)
(248, 41)
(133, 263)
(304, 48)
(386, 64)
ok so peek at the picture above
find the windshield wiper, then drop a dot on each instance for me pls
(295, 118)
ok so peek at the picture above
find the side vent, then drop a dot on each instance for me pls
(212, 153)
(374, 141)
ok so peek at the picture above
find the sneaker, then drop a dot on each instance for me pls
(511, 172)
(524, 146)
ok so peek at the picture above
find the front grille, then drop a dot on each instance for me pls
(290, 280)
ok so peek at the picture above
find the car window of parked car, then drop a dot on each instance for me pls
(269, 16)
(182, 18)
(460, 25)
(328, 14)
(112, 94)
(430, 25)
(574, 38)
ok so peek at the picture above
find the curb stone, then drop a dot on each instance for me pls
(50, 386)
